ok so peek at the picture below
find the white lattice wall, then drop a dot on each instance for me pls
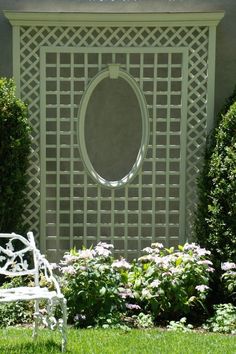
(171, 66)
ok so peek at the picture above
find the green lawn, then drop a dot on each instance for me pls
(19, 341)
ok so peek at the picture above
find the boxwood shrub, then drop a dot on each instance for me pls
(14, 151)
(216, 213)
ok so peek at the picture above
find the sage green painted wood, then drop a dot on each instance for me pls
(154, 151)
(145, 19)
(71, 153)
(170, 52)
(43, 212)
(16, 58)
(211, 78)
(183, 237)
(58, 146)
(134, 215)
(81, 129)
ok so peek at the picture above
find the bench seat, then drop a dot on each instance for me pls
(27, 293)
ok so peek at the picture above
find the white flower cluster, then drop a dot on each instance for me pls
(103, 249)
(190, 252)
(125, 293)
(69, 270)
(69, 259)
(121, 264)
(201, 288)
(228, 266)
(86, 254)
(74, 261)
(196, 249)
(133, 307)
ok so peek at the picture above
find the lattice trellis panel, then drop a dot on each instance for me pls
(75, 208)
(194, 39)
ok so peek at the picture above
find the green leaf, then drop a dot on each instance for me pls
(178, 261)
(102, 291)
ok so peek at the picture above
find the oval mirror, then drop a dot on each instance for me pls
(113, 127)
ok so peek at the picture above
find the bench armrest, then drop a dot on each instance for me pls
(42, 263)
(47, 269)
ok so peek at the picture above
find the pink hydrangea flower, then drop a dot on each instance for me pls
(124, 293)
(157, 245)
(86, 254)
(105, 245)
(155, 283)
(121, 264)
(133, 307)
(205, 261)
(148, 250)
(146, 258)
(69, 259)
(228, 266)
(201, 288)
(103, 249)
(197, 249)
(100, 251)
(163, 262)
(69, 270)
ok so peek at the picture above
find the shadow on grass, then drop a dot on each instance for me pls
(30, 347)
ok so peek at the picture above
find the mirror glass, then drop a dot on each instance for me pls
(113, 128)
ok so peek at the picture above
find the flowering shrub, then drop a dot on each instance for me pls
(94, 285)
(161, 284)
(229, 278)
(169, 283)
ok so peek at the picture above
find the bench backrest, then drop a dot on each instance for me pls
(18, 255)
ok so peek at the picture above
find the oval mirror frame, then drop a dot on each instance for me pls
(113, 72)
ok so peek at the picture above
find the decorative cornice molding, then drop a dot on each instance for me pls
(98, 18)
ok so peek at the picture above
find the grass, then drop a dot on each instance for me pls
(109, 341)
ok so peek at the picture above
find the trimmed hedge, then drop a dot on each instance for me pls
(215, 224)
(14, 151)
(222, 207)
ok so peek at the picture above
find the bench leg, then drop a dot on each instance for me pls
(36, 319)
(63, 326)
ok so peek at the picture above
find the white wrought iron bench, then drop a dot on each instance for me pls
(19, 256)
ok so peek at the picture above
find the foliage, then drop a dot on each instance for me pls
(13, 313)
(228, 103)
(229, 279)
(224, 319)
(169, 283)
(222, 207)
(109, 293)
(14, 151)
(215, 223)
(143, 320)
(179, 326)
(93, 285)
(163, 284)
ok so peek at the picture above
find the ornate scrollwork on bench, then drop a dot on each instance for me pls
(20, 257)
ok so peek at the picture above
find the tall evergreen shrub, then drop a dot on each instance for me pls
(14, 151)
(215, 224)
